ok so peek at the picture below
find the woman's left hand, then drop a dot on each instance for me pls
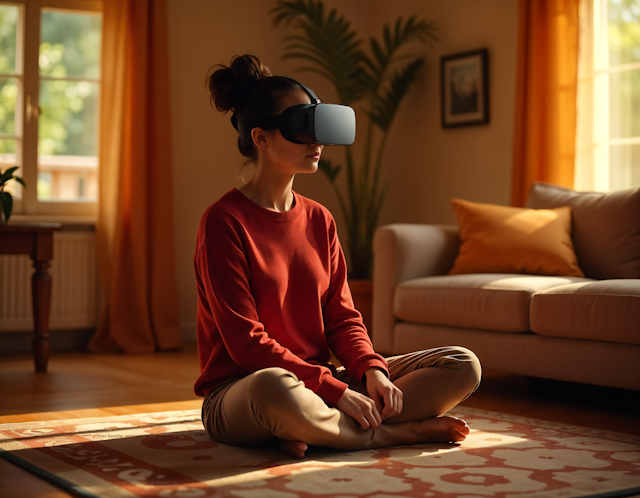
(387, 397)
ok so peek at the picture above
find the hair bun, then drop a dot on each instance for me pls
(229, 85)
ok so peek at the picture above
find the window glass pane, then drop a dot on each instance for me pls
(624, 31)
(68, 123)
(8, 160)
(67, 143)
(624, 102)
(624, 166)
(69, 45)
(45, 186)
(69, 118)
(8, 29)
(8, 96)
(7, 153)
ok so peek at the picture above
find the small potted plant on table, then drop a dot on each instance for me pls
(6, 201)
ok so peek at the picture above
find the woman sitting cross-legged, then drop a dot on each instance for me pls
(273, 301)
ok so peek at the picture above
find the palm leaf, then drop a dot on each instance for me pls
(376, 207)
(287, 11)
(402, 33)
(308, 57)
(327, 40)
(332, 172)
(311, 69)
(381, 58)
(329, 169)
(387, 105)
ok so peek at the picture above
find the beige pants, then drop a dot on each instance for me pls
(272, 403)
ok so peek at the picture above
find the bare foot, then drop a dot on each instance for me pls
(293, 448)
(443, 429)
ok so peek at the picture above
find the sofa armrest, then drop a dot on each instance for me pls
(402, 252)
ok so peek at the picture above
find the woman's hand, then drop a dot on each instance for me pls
(361, 408)
(387, 397)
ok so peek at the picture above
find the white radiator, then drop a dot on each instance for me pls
(76, 300)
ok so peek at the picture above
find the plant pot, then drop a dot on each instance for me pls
(362, 293)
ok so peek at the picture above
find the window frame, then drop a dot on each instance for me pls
(27, 207)
(593, 134)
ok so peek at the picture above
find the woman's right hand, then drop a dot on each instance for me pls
(361, 408)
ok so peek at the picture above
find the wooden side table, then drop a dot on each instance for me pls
(35, 240)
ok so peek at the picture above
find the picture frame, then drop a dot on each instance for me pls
(464, 85)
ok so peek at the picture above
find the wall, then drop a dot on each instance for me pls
(425, 164)
(430, 165)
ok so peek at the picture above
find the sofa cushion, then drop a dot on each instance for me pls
(608, 310)
(501, 239)
(484, 301)
(605, 228)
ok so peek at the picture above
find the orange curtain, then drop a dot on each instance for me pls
(135, 215)
(545, 120)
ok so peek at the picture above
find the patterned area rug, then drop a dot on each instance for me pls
(169, 455)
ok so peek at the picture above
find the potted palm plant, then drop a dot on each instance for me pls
(6, 201)
(379, 80)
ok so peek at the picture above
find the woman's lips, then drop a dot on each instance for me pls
(314, 156)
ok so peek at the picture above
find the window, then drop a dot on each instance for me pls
(49, 103)
(608, 132)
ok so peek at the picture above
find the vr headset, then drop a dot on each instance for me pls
(315, 123)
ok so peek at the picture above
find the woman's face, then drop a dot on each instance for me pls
(287, 156)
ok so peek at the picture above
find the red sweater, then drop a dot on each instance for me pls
(273, 292)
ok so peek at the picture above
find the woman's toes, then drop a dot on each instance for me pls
(442, 429)
(295, 449)
(461, 426)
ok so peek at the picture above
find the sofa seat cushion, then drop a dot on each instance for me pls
(490, 301)
(607, 310)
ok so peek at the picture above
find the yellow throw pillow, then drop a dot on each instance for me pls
(501, 239)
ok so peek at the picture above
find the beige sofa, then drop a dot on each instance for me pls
(566, 328)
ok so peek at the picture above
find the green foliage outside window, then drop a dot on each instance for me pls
(8, 86)
(624, 48)
(624, 31)
(70, 48)
(624, 91)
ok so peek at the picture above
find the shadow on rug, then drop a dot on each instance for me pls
(169, 455)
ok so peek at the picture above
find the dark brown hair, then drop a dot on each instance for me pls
(248, 89)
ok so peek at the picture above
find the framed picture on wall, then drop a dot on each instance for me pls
(465, 88)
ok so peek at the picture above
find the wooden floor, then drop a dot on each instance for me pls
(81, 384)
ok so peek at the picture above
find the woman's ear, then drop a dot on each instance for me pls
(260, 138)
